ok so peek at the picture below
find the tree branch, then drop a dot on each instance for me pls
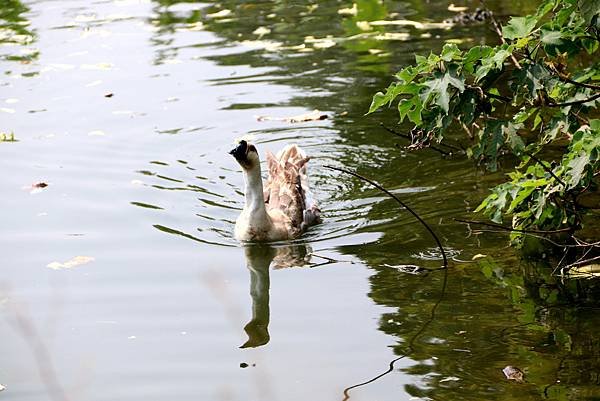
(546, 168)
(575, 102)
(405, 136)
(499, 32)
(564, 78)
(382, 189)
(505, 228)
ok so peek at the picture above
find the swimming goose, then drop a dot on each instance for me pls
(284, 208)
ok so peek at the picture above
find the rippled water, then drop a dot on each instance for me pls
(127, 109)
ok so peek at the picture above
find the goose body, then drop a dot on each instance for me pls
(283, 208)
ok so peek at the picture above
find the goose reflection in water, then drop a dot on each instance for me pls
(259, 259)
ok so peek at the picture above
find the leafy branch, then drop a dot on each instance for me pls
(535, 89)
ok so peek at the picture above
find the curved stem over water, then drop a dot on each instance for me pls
(382, 189)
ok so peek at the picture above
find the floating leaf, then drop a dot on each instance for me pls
(349, 11)
(457, 9)
(513, 373)
(261, 31)
(36, 187)
(314, 115)
(76, 261)
(219, 14)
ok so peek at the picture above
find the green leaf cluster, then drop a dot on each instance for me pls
(538, 88)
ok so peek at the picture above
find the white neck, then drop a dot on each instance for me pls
(255, 199)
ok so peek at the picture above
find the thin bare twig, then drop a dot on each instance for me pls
(506, 228)
(499, 32)
(575, 102)
(382, 189)
(498, 97)
(582, 262)
(564, 78)
(443, 152)
(432, 147)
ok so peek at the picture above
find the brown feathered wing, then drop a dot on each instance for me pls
(287, 188)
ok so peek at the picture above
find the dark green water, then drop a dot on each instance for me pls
(127, 109)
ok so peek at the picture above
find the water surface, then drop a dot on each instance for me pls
(126, 110)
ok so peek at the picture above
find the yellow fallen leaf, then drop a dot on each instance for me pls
(393, 36)
(320, 43)
(349, 11)
(220, 14)
(314, 115)
(76, 261)
(478, 256)
(457, 9)
(414, 24)
(261, 31)
(363, 25)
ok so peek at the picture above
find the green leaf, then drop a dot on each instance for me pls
(495, 62)
(379, 99)
(474, 56)
(589, 9)
(451, 52)
(577, 168)
(521, 196)
(407, 74)
(551, 37)
(412, 108)
(515, 141)
(519, 27)
(532, 77)
(544, 8)
(437, 89)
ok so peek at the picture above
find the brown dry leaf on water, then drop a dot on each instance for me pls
(69, 264)
(36, 187)
(314, 115)
(513, 373)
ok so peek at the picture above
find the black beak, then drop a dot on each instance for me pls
(239, 152)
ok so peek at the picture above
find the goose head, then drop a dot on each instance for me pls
(246, 155)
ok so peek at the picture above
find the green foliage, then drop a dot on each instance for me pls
(538, 89)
